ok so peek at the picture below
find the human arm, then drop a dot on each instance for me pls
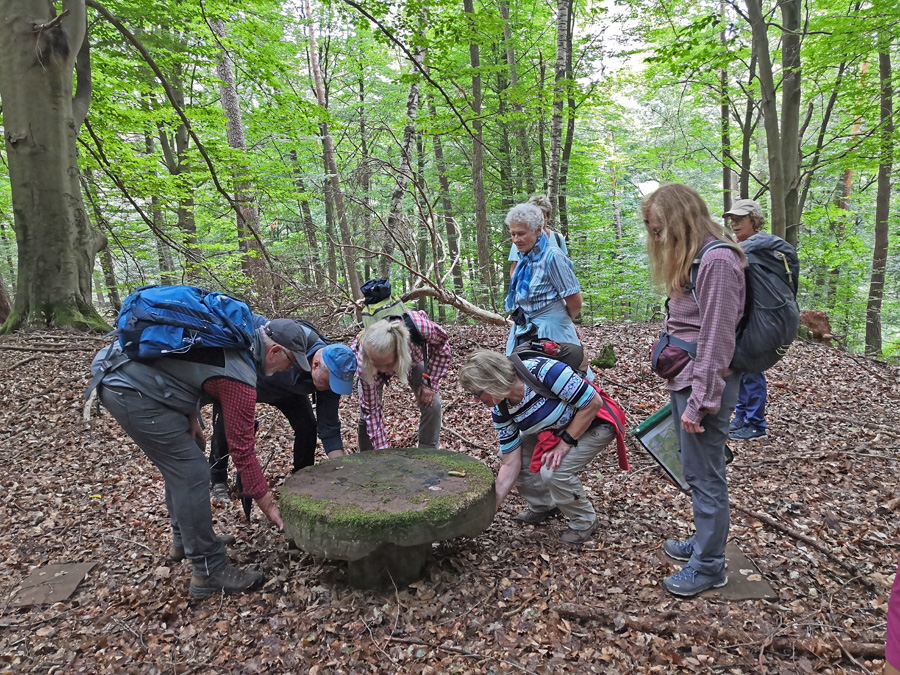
(575, 429)
(573, 304)
(238, 402)
(720, 295)
(196, 430)
(372, 413)
(439, 353)
(328, 422)
(506, 476)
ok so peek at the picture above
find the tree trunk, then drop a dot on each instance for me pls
(56, 244)
(163, 253)
(365, 170)
(246, 214)
(508, 187)
(331, 163)
(777, 214)
(570, 127)
(519, 129)
(723, 118)
(542, 121)
(882, 202)
(562, 31)
(790, 115)
(447, 206)
(313, 270)
(5, 303)
(485, 270)
(7, 247)
(404, 172)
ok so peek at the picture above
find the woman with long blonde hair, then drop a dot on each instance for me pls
(385, 349)
(703, 394)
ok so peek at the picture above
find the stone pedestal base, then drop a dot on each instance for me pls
(389, 565)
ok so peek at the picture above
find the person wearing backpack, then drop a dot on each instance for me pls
(332, 368)
(544, 295)
(746, 218)
(703, 391)
(387, 348)
(554, 237)
(546, 439)
(157, 400)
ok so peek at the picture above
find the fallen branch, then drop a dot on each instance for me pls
(21, 363)
(466, 440)
(809, 541)
(667, 625)
(52, 350)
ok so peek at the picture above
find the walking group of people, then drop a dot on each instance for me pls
(550, 419)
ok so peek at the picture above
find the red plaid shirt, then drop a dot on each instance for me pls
(712, 325)
(439, 355)
(238, 402)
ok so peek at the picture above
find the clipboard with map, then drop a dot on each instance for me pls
(657, 436)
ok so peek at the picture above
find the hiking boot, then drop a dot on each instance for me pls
(688, 582)
(218, 492)
(737, 423)
(530, 517)
(747, 432)
(228, 580)
(679, 550)
(176, 553)
(577, 537)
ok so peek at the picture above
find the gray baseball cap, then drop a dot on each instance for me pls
(744, 207)
(290, 335)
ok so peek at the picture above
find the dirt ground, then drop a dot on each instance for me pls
(815, 507)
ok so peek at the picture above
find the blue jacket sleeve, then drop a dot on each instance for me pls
(328, 420)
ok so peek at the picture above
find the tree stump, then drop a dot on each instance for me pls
(382, 510)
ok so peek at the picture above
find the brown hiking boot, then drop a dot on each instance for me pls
(530, 517)
(176, 553)
(228, 580)
(577, 537)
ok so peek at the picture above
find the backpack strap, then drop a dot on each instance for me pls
(695, 267)
(522, 371)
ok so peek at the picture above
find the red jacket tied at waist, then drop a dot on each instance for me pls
(609, 412)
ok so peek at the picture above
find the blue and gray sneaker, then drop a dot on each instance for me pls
(737, 423)
(679, 550)
(688, 582)
(747, 432)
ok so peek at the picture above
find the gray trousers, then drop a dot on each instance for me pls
(164, 436)
(703, 460)
(429, 418)
(563, 487)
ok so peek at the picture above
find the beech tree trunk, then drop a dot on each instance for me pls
(562, 31)
(401, 180)
(485, 268)
(447, 206)
(519, 130)
(246, 213)
(331, 163)
(39, 52)
(570, 127)
(882, 203)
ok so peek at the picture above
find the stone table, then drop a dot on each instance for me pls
(382, 510)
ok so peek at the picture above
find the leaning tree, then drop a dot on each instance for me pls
(41, 50)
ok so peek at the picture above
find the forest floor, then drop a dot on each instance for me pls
(814, 505)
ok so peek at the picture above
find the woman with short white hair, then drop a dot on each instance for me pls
(554, 237)
(544, 295)
(385, 349)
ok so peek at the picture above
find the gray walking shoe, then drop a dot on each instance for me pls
(228, 580)
(530, 517)
(688, 582)
(679, 550)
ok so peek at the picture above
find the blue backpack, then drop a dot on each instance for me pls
(166, 320)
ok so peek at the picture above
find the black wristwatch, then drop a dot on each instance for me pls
(566, 438)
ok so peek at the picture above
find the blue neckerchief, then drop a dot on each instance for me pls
(521, 281)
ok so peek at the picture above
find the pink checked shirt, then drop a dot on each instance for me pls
(439, 354)
(720, 290)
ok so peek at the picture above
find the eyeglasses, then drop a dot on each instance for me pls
(290, 356)
(478, 395)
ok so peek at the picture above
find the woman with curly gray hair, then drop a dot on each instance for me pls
(555, 238)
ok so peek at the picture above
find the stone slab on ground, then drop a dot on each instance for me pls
(745, 582)
(382, 510)
(50, 583)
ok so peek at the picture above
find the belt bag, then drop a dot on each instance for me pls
(670, 355)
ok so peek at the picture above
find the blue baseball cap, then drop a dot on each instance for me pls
(341, 362)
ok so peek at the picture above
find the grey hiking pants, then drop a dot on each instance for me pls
(703, 460)
(164, 436)
(563, 487)
(429, 418)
